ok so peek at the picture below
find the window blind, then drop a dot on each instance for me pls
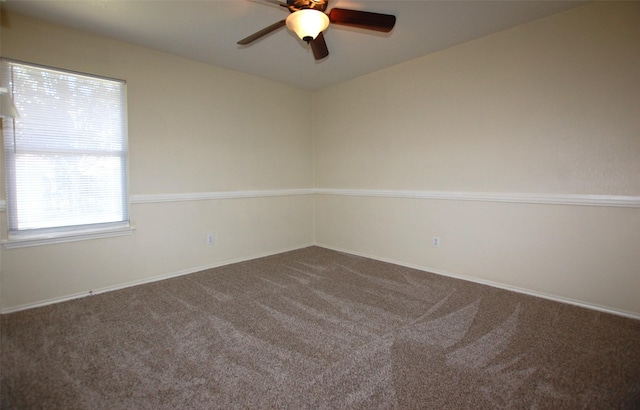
(66, 155)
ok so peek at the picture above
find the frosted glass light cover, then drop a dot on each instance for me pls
(308, 23)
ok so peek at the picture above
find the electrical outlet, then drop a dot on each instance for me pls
(435, 242)
(210, 239)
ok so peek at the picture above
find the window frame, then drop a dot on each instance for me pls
(57, 234)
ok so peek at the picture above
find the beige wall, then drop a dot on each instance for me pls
(548, 108)
(545, 112)
(193, 129)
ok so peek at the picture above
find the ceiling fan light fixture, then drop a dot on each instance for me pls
(307, 23)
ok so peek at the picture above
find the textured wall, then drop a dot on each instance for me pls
(548, 108)
(544, 110)
(193, 129)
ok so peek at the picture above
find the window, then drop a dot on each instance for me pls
(66, 154)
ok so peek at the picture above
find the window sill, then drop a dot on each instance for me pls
(67, 237)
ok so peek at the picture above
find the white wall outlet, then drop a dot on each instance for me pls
(435, 242)
(210, 239)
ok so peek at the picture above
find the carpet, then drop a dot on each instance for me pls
(316, 328)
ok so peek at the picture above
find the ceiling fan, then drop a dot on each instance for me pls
(308, 20)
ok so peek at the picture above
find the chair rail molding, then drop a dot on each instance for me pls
(523, 198)
(624, 201)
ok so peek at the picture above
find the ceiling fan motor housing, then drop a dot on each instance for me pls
(295, 5)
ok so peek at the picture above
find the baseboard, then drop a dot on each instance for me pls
(555, 298)
(188, 271)
(152, 279)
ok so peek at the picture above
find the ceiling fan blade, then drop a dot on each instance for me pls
(362, 19)
(261, 33)
(319, 47)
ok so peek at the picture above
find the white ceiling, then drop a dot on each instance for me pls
(208, 30)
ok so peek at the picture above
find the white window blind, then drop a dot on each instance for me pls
(66, 155)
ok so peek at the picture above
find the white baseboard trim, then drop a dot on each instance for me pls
(144, 281)
(555, 298)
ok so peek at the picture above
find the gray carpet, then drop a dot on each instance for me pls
(315, 328)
